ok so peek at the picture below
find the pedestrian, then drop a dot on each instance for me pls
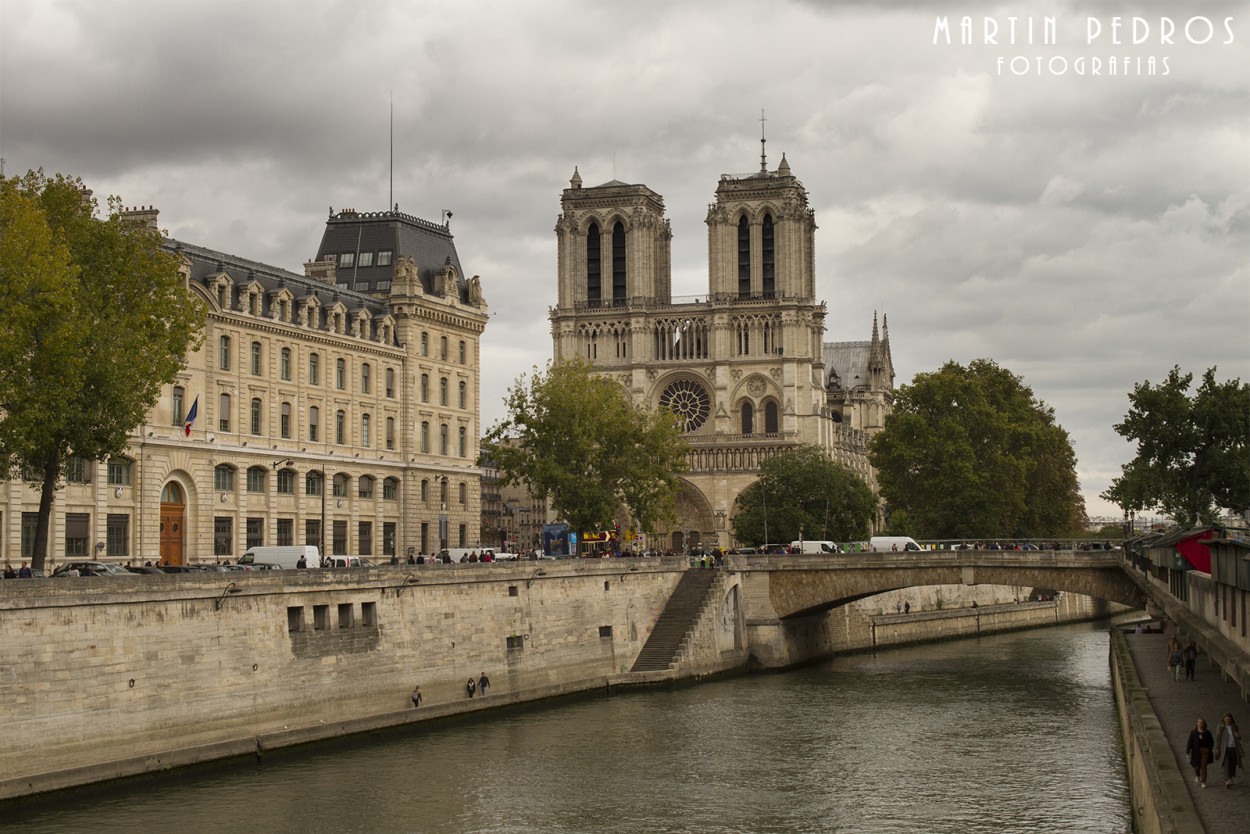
(416, 695)
(898, 608)
(9, 573)
(1175, 659)
(470, 687)
(302, 563)
(1191, 658)
(1199, 748)
(907, 607)
(1228, 748)
(483, 683)
(25, 572)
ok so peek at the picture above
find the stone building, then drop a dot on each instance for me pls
(745, 365)
(337, 408)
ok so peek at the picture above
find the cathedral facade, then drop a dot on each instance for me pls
(745, 365)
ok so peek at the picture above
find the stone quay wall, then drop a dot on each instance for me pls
(103, 678)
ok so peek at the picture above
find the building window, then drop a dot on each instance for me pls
(365, 371)
(770, 417)
(384, 257)
(425, 344)
(177, 406)
(30, 523)
(256, 415)
(464, 440)
(594, 265)
(312, 532)
(744, 258)
(425, 537)
(314, 369)
(366, 259)
(389, 529)
(364, 544)
(117, 534)
(390, 489)
(119, 472)
(463, 352)
(255, 358)
(365, 487)
(286, 532)
(256, 479)
(340, 537)
(340, 486)
(340, 374)
(77, 527)
(255, 532)
(463, 493)
(390, 383)
(464, 393)
(223, 413)
(748, 418)
(425, 436)
(347, 260)
(284, 363)
(364, 430)
(340, 427)
(390, 433)
(321, 617)
(223, 535)
(77, 471)
(768, 261)
(442, 391)
(223, 353)
(618, 263)
(223, 478)
(312, 483)
(284, 420)
(462, 531)
(425, 492)
(314, 417)
(286, 481)
(425, 388)
(442, 348)
(442, 439)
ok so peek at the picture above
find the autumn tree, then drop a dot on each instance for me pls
(576, 438)
(96, 318)
(803, 493)
(1193, 451)
(969, 452)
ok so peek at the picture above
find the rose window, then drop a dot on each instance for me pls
(689, 401)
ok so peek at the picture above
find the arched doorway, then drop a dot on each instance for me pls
(173, 510)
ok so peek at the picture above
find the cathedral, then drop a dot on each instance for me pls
(745, 366)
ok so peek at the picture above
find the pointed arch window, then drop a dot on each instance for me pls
(594, 265)
(768, 257)
(744, 258)
(618, 264)
(748, 418)
(770, 417)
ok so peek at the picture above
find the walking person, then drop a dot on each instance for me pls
(1199, 748)
(416, 695)
(1228, 747)
(483, 683)
(470, 687)
(1191, 658)
(1175, 658)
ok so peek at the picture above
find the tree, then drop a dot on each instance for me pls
(575, 437)
(96, 318)
(970, 453)
(803, 490)
(1193, 453)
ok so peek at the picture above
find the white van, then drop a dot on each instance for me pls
(815, 547)
(892, 543)
(344, 561)
(284, 555)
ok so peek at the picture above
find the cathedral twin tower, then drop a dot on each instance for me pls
(745, 366)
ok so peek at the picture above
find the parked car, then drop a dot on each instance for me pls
(181, 568)
(144, 569)
(91, 569)
(237, 567)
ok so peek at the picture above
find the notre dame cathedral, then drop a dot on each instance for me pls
(745, 366)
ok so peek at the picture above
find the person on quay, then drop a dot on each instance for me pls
(1175, 658)
(416, 695)
(1199, 749)
(1228, 748)
(470, 687)
(1191, 659)
(483, 683)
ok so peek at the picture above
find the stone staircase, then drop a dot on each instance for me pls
(676, 621)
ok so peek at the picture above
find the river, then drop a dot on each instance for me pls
(1000, 734)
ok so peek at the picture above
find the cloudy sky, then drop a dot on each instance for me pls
(1076, 208)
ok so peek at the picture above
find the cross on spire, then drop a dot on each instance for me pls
(763, 156)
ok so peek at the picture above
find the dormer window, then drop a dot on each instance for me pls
(347, 260)
(366, 259)
(384, 257)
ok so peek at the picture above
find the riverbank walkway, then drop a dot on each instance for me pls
(1179, 704)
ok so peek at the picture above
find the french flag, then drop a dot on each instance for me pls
(195, 409)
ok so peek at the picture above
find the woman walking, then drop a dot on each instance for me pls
(1199, 748)
(1228, 747)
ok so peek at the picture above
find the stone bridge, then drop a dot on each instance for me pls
(785, 600)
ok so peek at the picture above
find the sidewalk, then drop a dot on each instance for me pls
(1179, 704)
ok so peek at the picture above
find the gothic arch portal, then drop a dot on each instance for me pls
(696, 523)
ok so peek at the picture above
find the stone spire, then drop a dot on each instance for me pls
(576, 181)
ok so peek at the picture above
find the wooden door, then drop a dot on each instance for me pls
(172, 511)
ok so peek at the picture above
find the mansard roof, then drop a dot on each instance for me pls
(430, 245)
(207, 263)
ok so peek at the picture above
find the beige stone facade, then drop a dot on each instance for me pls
(337, 408)
(745, 365)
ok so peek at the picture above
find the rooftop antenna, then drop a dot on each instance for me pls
(763, 157)
(391, 201)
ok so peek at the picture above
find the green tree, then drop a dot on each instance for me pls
(1193, 452)
(803, 489)
(576, 438)
(96, 319)
(970, 453)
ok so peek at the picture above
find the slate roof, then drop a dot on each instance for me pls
(849, 360)
(429, 244)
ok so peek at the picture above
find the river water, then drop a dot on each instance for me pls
(1001, 734)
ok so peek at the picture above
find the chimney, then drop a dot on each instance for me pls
(145, 215)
